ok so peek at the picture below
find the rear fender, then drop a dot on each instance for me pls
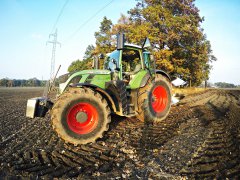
(145, 80)
(147, 77)
(163, 73)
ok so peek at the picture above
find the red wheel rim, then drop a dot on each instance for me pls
(82, 118)
(159, 99)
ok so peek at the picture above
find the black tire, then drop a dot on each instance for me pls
(80, 116)
(147, 111)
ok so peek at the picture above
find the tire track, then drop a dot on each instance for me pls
(199, 139)
(218, 155)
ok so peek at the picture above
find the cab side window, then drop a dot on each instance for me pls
(112, 61)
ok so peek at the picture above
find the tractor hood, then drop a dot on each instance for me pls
(93, 71)
(95, 76)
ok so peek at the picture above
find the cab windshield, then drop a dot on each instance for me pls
(130, 59)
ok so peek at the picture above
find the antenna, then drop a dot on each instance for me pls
(54, 42)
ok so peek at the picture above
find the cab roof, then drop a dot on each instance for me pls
(132, 45)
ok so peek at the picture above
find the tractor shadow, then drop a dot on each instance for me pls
(114, 127)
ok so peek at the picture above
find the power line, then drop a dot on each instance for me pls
(89, 19)
(59, 15)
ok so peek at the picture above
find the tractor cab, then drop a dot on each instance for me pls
(128, 63)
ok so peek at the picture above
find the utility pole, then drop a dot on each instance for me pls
(54, 42)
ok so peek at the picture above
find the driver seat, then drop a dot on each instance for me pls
(135, 71)
(130, 75)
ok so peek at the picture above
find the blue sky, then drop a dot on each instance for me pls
(26, 25)
(222, 27)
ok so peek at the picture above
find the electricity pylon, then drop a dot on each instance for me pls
(54, 42)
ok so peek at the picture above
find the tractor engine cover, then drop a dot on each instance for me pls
(38, 107)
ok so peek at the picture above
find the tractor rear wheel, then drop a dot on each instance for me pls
(80, 116)
(154, 100)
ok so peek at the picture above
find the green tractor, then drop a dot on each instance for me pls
(129, 85)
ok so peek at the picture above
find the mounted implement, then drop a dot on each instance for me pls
(129, 85)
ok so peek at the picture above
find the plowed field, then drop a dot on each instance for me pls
(199, 139)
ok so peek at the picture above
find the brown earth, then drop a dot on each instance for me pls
(199, 139)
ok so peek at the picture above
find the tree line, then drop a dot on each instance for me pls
(180, 46)
(226, 85)
(33, 82)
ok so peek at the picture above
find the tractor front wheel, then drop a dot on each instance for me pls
(80, 116)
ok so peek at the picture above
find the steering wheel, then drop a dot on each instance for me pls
(126, 76)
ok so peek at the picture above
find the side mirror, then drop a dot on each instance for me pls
(146, 43)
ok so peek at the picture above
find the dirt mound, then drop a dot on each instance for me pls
(199, 139)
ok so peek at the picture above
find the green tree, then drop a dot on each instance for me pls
(105, 42)
(225, 85)
(23, 82)
(122, 25)
(77, 66)
(86, 63)
(34, 82)
(90, 52)
(104, 36)
(173, 27)
(4, 82)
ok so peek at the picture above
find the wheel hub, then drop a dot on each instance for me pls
(159, 99)
(81, 117)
